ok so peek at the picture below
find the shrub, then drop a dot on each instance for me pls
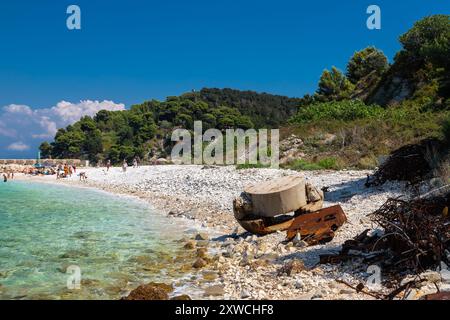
(347, 110)
(329, 163)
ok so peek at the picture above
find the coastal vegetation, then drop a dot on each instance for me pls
(353, 119)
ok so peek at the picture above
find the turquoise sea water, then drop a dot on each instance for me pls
(117, 242)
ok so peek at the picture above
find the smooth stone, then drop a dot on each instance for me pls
(245, 294)
(202, 236)
(215, 290)
(202, 253)
(147, 292)
(190, 245)
(166, 287)
(299, 285)
(209, 275)
(199, 263)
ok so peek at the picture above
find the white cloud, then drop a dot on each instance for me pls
(31, 126)
(49, 127)
(18, 146)
(70, 112)
(7, 132)
(18, 108)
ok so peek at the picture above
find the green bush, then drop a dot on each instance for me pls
(329, 163)
(346, 110)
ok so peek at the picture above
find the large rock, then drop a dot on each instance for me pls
(199, 263)
(147, 292)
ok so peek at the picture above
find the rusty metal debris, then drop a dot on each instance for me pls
(319, 226)
(409, 163)
(416, 237)
(438, 296)
(267, 207)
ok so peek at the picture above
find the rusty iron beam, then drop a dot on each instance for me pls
(438, 296)
(319, 226)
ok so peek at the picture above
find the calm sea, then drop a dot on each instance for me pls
(115, 242)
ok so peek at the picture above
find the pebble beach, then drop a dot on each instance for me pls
(240, 265)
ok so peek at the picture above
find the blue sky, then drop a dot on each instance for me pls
(131, 51)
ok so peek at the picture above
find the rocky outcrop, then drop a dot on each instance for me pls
(290, 149)
(394, 90)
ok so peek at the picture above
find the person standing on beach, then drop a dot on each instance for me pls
(58, 171)
(124, 165)
(5, 179)
(108, 165)
(135, 162)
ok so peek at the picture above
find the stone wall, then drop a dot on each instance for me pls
(30, 162)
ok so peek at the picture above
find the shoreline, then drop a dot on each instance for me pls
(134, 247)
(244, 266)
(160, 205)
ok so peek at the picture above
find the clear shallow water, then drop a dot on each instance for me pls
(117, 242)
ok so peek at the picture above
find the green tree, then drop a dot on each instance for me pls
(68, 144)
(334, 85)
(46, 149)
(429, 40)
(93, 145)
(114, 154)
(365, 62)
(87, 124)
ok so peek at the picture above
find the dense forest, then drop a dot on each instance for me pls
(374, 105)
(142, 130)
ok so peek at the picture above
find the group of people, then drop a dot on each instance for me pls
(65, 171)
(45, 171)
(136, 164)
